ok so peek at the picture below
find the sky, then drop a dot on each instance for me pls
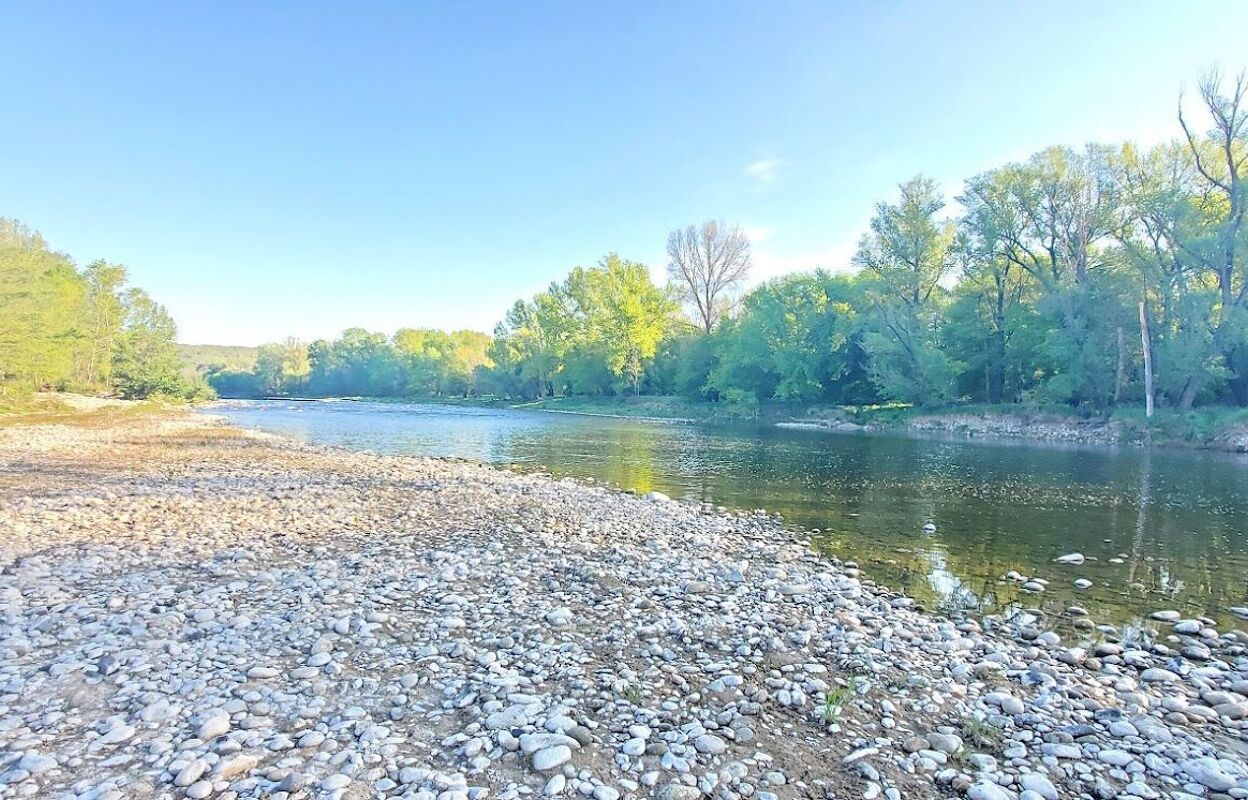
(268, 169)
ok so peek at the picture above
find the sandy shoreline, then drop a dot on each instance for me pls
(193, 610)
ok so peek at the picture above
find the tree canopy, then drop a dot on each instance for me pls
(1031, 288)
(80, 329)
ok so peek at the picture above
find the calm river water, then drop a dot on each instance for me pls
(1161, 529)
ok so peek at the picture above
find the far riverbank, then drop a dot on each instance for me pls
(1221, 429)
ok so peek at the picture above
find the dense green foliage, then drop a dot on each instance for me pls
(414, 362)
(200, 359)
(1027, 291)
(595, 333)
(80, 329)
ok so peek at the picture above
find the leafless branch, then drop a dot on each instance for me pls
(708, 262)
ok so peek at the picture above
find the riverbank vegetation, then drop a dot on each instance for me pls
(80, 329)
(1086, 280)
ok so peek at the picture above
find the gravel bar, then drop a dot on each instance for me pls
(192, 610)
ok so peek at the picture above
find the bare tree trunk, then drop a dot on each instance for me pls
(1148, 362)
(1188, 396)
(1122, 365)
(987, 379)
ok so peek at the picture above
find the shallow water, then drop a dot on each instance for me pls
(1176, 520)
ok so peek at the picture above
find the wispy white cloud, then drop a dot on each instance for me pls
(763, 170)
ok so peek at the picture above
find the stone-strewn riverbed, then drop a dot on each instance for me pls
(189, 610)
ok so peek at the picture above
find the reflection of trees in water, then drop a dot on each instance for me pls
(629, 457)
(1143, 498)
(996, 510)
(924, 575)
(1178, 556)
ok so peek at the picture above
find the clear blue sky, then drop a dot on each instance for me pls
(281, 168)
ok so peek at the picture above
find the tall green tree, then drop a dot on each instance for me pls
(596, 332)
(358, 363)
(469, 359)
(798, 338)
(1050, 217)
(282, 368)
(104, 313)
(145, 360)
(1164, 236)
(41, 302)
(1220, 157)
(61, 328)
(439, 363)
(635, 317)
(523, 353)
(907, 254)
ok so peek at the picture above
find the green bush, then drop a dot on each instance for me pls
(739, 403)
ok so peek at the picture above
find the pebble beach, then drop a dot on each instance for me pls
(193, 610)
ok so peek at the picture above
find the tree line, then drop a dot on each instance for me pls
(419, 362)
(83, 330)
(1086, 277)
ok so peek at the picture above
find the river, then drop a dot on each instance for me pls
(1160, 529)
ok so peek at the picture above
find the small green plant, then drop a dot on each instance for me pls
(982, 734)
(836, 699)
(632, 693)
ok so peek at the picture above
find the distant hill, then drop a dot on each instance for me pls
(202, 357)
